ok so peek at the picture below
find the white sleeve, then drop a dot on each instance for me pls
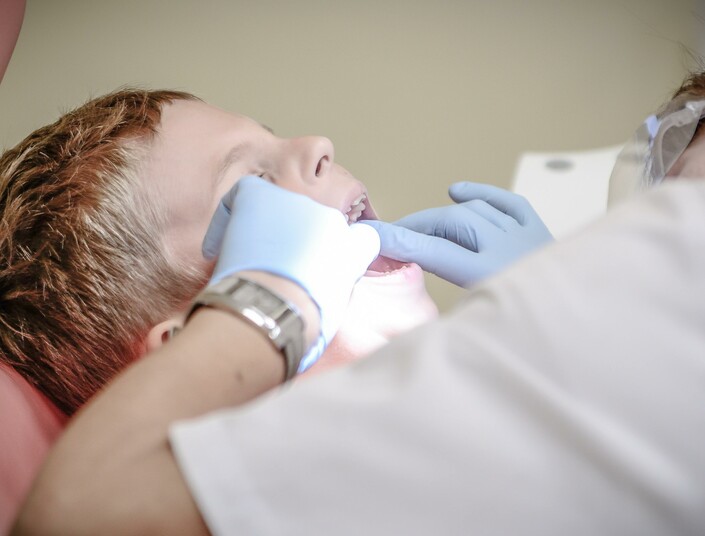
(565, 396)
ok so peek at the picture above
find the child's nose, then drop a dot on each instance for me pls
(312, 157)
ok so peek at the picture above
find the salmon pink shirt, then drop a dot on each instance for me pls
(29, 425)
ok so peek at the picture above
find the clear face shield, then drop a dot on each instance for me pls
(656, 145)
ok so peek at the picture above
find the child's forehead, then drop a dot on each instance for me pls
(197, 121)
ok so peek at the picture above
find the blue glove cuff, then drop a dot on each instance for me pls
(313, 354)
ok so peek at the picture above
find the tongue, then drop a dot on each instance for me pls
(382, 265)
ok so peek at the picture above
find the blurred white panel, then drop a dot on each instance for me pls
(567, 189)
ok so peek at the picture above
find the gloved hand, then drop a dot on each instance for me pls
(464, 243)
(260, 226)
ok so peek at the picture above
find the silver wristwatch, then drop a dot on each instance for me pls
(279, 320)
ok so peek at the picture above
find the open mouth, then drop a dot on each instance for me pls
(360, 209)
(357, 209)
(384, 266)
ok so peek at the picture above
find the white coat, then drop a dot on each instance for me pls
(564, 396)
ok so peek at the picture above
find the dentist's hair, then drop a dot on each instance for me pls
(84, 270)
(694, 86)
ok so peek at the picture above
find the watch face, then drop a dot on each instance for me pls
(276, 318)
(264, 301)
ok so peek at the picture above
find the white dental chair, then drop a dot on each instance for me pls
(567, 189)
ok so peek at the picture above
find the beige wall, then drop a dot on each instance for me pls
(415, 94)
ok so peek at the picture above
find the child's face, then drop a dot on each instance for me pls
(200, 151)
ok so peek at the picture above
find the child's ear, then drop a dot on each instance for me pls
(162, 332)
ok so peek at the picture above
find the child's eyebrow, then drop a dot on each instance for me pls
(232, 156)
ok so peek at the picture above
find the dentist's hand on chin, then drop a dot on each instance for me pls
(485, 231)
(261, 227)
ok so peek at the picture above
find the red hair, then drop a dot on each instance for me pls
(84, 273)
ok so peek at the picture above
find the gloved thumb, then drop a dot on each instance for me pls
(213, 240)
(405, 245)
(365, 245)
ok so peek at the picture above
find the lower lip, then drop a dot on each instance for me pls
(384, 265)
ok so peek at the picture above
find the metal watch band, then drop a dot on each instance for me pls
(279, 320)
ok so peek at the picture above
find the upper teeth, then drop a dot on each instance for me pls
(356, 208)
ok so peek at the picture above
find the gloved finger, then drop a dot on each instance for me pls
(213, 240)
(491, 214)
(442, 257)
(358, 247)
(508, 202)
(454, 222)
(365, 243)
(313, 355)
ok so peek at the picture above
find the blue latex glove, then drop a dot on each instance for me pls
(260, 226)
(464, 243)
